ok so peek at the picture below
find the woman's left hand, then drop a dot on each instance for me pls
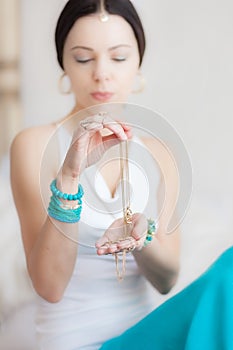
(121, 236)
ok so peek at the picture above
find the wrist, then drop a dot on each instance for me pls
(67, 183)
(150, 233)
(60, 207)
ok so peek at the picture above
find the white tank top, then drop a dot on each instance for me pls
(96, 306)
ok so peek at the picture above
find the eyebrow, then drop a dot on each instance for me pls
(110, 49)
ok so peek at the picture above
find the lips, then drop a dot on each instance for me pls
(102, 96)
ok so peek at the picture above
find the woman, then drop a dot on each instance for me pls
(100, 47)
(81, 304)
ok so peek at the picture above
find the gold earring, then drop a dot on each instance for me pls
(141, 84)
(61, 84)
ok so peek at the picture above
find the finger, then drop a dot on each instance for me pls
(113, 248)
(115, 127)
(108, 249)
(110, 141)
(104, 248)
(126, 243)
(97, 123)
(91, 124)
(102, 251)
(81, 135)
(101, 121)
(125, 126)
(102, 241)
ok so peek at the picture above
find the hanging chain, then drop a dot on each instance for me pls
(125, 188)
(127, 213)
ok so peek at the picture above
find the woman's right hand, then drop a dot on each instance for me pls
(89, 144)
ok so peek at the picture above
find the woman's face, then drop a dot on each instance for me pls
(101, 60)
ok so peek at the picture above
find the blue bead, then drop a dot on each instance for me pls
(66, 196)
(59, 195)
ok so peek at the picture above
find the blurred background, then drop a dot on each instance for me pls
(188, 69)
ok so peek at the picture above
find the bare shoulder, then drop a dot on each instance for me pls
(26, 155)
(28, 146)
(34, 137)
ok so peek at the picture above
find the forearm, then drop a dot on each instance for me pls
(159, 263)
(52, 258)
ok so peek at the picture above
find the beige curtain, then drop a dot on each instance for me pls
(10, 110)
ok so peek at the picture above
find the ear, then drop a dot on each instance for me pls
(140, 83)
(64, 84)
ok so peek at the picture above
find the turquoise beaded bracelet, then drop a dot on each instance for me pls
(66, 196)
(152, 228)
(59, 210)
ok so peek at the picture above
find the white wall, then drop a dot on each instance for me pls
(188, 68)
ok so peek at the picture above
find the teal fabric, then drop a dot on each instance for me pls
(198, 318)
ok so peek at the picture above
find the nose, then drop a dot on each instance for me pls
(101, 71)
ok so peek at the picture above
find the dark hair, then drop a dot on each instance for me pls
(75, 9)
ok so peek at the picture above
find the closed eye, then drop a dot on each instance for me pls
(83, 60)
(119, 59)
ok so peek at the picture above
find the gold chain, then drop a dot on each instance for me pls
(127, 213)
